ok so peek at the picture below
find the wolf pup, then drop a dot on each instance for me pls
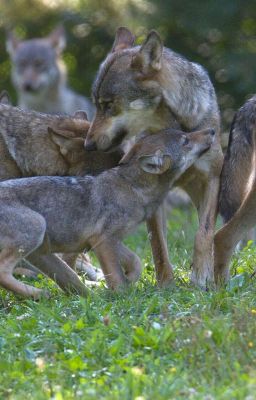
(237, 199)
(150, 87)
(39, 75)
(25, 144)
(47, 144)
(44, 215)
(28, 149)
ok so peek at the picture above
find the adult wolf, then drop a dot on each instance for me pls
(150, 87)
(39, 75)
(237, 199)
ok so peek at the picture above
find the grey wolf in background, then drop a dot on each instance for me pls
(237, 199)
(39, 75)
(28, 149)
(44, 215)
(150, 87)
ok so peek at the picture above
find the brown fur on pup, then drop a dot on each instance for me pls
(44, 215)
(28, 148)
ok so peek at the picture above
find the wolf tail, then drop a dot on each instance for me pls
(239, 160)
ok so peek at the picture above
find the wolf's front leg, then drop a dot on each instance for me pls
(130, 263)
(203, 258)
(9, 257)
(157, 227)
(108, 254)
(229, 235)
(223, 250)
(59, 271)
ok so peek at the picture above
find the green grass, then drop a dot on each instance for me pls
(145, 343)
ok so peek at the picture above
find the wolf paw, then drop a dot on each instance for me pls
(165, 278)
(203, 280)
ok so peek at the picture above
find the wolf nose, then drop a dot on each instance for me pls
(27, 87)
(212, 132)
(90, 145)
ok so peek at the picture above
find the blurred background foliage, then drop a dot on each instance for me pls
(220, 35)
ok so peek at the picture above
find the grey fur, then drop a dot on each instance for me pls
(44, 215)
(29, 148)
(39, 75)
(237, 165)
(238, 188)
(150, 87)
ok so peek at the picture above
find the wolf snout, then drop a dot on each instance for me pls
(212, 135)
(209, 132)
(209, 136)
(28, 87)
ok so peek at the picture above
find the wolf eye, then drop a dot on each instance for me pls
(108, 105)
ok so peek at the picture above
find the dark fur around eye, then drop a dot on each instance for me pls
(185, 141)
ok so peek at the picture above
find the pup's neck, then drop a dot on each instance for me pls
(150, 188)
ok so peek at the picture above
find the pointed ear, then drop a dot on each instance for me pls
(156, 163)
(57, 39)
(12, 43)
(66, 144)
(5, 98)
(71, 127)
(149, 57)
(80, 114)
(123, 40)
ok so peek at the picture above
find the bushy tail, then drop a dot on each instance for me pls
(238, 163)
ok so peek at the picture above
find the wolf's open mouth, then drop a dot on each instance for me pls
(119, 137)
(31, 90)
(205, 150)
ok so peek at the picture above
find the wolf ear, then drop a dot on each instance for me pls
(123, 40)
(156, 163)
(66, 143)
(57, 39)
(5, 98)
(80, 114)
(12, 43)
(149, 57)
